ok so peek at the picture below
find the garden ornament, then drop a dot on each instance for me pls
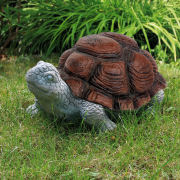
(103, 71)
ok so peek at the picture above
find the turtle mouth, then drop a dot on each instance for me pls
(37, 89)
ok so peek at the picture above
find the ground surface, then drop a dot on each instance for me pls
(141, 147)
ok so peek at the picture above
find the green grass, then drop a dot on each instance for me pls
(42, 148)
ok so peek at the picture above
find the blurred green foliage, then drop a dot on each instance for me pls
(37, 26)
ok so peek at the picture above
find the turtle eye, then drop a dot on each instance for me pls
(50, 77)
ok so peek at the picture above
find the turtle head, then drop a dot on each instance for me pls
(44, 81)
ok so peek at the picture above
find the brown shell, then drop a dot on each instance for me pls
(111, 70)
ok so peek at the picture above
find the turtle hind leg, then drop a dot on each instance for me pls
(95, 116)
(156, 101)
(159, 96)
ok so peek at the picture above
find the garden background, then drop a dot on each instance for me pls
(42, 147)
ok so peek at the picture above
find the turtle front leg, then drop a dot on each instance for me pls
(33, 109)
(157, 99)
(95, 116)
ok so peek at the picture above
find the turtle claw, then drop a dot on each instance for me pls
(106, 126)
(32, 110)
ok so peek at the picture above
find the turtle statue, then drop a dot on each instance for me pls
(102, 71)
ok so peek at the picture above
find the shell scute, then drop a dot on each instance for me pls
(125, 103)
(142, 99)
(112, 77)
(64, 57)
(100, 98)
(99, 46)
(141, 73)
(76, 85)
(121, 38)
(80, 65)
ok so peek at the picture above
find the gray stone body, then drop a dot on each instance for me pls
(53, 95)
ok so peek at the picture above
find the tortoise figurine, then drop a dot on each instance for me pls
(106, 70)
